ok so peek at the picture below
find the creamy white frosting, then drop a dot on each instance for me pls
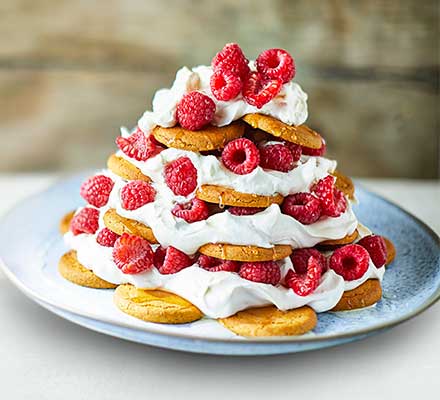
(216, 294)
(289, 106)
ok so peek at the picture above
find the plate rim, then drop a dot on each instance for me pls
(429, 302)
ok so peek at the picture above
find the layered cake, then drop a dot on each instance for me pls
(221, 204)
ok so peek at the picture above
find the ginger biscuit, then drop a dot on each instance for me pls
(367, 294)
(155, 305)
(234, 252)
(269, 321)
(125, 169)
(301, 134)
(71, 269)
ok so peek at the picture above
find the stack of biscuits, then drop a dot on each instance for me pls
(141, 249)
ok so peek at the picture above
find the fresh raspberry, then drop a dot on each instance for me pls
(195, 210)
(96, 190)
(257, 90)
(139, 146)
(213, 264)
(225, 85)
(106, 237)
(264, 272)
(195, 111)
(231, 59)
(276, 63)
(350, 261)
(171, 260)
(333, 202)
(295, 149)
(181, 176)
(376, 247)
(308, 151)
(132, 254)
(245, 210)
(277, 157)
(136, 194)
(300, 258)
(86, 221)
(241, 156)
(305, 283)
(304, 207)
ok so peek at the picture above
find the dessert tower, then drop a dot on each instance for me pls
(221, 204)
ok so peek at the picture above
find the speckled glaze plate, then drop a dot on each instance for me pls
(30, 247)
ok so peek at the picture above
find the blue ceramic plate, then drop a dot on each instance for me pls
(30, 247)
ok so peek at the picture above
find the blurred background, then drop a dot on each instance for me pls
(72, 72)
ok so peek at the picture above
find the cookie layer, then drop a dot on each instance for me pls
(350, 238)
(229, 197)
(70, 269)
(300, 134)
(344, 184)
(233, 252)
(367, 294)
(210, 138)
(269, 321)
(155, 305)
(125, 169)
(65, 222)
(391, 251)
(120, 225)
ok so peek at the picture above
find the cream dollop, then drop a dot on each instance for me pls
(289, 106)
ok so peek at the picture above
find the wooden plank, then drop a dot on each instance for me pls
(67, 120)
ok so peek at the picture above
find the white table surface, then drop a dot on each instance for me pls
(45, 357)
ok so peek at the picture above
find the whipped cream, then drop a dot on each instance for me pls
(216, 294)
(289, 106)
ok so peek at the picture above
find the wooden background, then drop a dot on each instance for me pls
(72, 72)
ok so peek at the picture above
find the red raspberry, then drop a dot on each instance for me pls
(195, 210)
(213, 264)
(305, 283)
(231, 59)
(241, 156)
(263, 272)
(350, 261)
(333, 202)
(276, 63)
(277, 157)
(171, 260)
(195, 111)
(257, 90)
(139, 146)
(300, 258)
(304, 207)
(181, 176)
(86, 221)
(132, 254)
(376, 247)
(295, 149)
(136, 194)
(106, 237)
(245, 210)
(225, 85)
(308, 151)
(96, 190)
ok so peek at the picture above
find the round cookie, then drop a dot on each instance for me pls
(391, 251)
(125, 169)
(155, 305)
(350, 238)
(367, 294)
(229, 197)
(64, 224)
(234, 252)
(344, 184)
(301, 134)
(120, 225)
(71, 269)
(209, 138)
(269, 321)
